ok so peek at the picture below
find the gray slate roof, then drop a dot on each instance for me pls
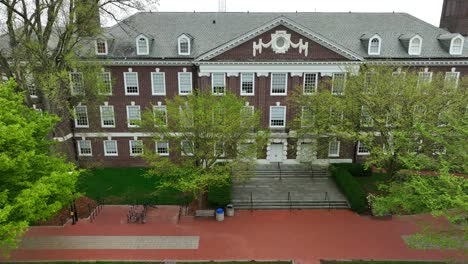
(345, 29)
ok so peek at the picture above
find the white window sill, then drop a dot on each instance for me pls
(159, 94)
(132, 94)
(81, 126)
(111, 155)
(363, 154)
(163, 154)
(333, 156)
(85, 155)
(108, 126)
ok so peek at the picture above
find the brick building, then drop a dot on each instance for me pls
(262, 57)
(455, 16)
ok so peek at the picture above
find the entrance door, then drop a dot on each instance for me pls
(276, 152)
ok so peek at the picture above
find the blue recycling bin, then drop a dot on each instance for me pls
(219, 214)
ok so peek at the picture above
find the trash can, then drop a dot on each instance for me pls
(229, 210)
(219, 214)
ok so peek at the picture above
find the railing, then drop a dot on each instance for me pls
(136, 215)
(327, 198)
(289, 201)
(279, 168)
(251, 201)
(94, 213)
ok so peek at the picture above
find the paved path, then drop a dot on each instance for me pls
(303, 235)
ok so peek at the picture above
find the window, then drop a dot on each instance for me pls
(218, 83)
(247, 84)
(107, 83)
(374, 46)
(219, 149)
(184, 45)
(133, 115)
(451, 79)
(185, 83)
(246, 113)
(160, 115)
(424, 78)
(32, 90)
(439, 149)
(187, 147)
(76, 83)
(142, 45)
(110, 148)
(158, 83)
(415, 46)
(279, 83)
(362, 149)
(81, 116)
(456, 46)
(393, 116)
(307, 117)
(107, 116)
(366, 119)
(334, 148)
(336, 116)
(370, 84)
(131, 83)
(186, 116)
(310, 83)
(277, 116)
(101, 47)
(162, 148)
(84, 148)
(136, 147)
(338, 83)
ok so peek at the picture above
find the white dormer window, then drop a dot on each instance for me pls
(184, 45)
(456, 45)
(101, 47)
(142, 45)
(375, 44)
(415, 45)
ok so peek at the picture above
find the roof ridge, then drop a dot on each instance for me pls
(420, 21)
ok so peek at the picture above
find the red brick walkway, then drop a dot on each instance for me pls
(305, 236)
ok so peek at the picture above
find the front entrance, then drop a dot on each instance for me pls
(276, 152)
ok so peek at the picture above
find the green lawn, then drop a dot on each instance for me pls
(370, 184)
(125, 186)
(144, 262)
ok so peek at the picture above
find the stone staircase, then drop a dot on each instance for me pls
(287, 187)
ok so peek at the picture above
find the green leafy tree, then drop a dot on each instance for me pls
(34, 184)
(406, 119)
(201, 129)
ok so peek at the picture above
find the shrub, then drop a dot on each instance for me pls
(350, 187)
(356, 169)
(220, 195)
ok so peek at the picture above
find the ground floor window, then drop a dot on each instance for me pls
(162, 148)
(187, 147)
(334, 149)
(362, 149)
(110, 148)
(136, 147)
(84, 148)
(277, 116)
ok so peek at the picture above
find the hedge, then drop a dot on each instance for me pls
(356, 169)
(350, 188)
(220, 196)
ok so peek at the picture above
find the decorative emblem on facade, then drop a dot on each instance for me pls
(280, 43)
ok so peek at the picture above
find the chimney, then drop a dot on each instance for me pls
(221, 5)
(87, 17)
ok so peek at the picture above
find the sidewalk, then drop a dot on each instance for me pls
(305, 236)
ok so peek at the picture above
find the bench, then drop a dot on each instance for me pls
(205, 213)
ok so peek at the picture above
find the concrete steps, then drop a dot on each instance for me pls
(282, 204)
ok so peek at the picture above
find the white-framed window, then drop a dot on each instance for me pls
(375, 44)
(451, 79)
(456, 45)
(107, 115)
(131, 83)
(439, 149)
(336, 116)
(110, 148)
(187, 147)
(370, 84)
(160, 115)
(101, 47)
(183, 44)
(142, 45)
(424, 78)
(32, 90)
(338, 83)
(334, 148)
(247, 83)
(162, 148)
(219, 149)
(310, 83)
(136, 147)
(186, 116)
(133, 115)
(307, 117)
(279, 83)
(246, 113)
(185, 83)
(362, 149)
(366, 119)
(415, 45)
(277, 116)
(84, 148)
(158, 83)
(107, 83)
(218, 83)
(81, 116)
(76, 83)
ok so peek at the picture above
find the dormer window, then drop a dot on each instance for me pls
(101, 47)
(456, 46)
(415, 45)
(142, 45)
(184, 45)
(375, 44)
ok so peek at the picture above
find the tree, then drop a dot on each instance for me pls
(201, 129)
(34, 184)
(406, 119)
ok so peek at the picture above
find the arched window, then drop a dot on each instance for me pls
(184, 45)
(101, 47)
(142, 45)
(415, 46)
(374, 46)
(456, 46)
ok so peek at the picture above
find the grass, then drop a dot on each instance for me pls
(370, 184)
(125, 186)
(135, 262)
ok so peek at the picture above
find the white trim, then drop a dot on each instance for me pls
(277, 68)
(110, 81)
(156, 149)
(212, 83)
(316, 82)
(87, 117)
(128, 116)
(333, 84)
(164, 83)
(138, 47)
(64, 138)
(130, 147)
(116, 148)
(418, 52)
(457, 80)
(183, 36)
(178, 83)
(113, 115)
(362, 153)
(285, 84)
(460, 37)
(78, 142)
(96, 47)
(284, 116)
(370, 43)
(137, 84)
(338, 149)
(165, 112)
(253, 84)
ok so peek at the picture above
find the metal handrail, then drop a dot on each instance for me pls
(327, 198)
(251, 201)
(279, 168)
(289, 201)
